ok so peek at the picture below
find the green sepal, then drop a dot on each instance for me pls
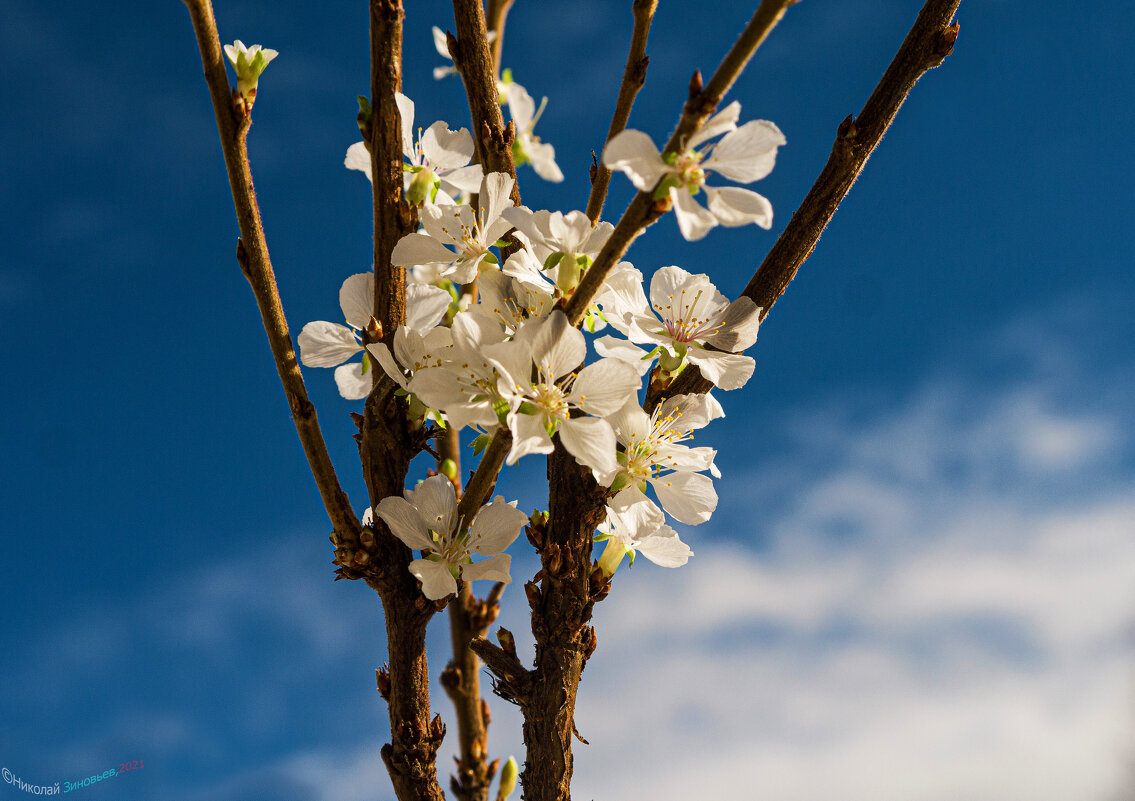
(620, 482)
(552, 260)
(528, 408)
(365, 110)
(479, 444)
(502, 243)
(366, 362)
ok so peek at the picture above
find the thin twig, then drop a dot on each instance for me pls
(484, 479)
(634, 76)
(930, 40)
(469, 618)
(252, 254)
(474, 61)
(495, 15)
(643, 210)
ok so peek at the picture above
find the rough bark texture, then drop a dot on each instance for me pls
(561, 604)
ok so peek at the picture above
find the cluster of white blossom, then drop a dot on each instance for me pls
(511, 360)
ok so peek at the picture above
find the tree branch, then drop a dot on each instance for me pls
(473, 59)
(496, 13)
(469, 618)
(233, 122)
(634, 76)
(643, 210)
(930, 40)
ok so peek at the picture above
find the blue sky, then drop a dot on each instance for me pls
(919, 583)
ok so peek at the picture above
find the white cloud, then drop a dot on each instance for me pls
(945, 609)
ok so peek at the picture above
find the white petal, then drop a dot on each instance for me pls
(437, 581)
(358, 158)
(406, 113)
(748, 153)
(385, 359)
(558, 348)
(528, 436)
(404, 522)
(719, 123)
(441, 43)
(324, 344)
(416, 248)
(733, 206)
(467, 179)
(686, 497)
(739, 325)
(494, 196)
(436, 502)
(666, 287)
(604, 387)
(726, 370)
(447, 149)
(543, 158)
(664, 548)
(634, 153)
(592, 442)
(352, 383)
(443, 72)
(425, 306)
(495, 527)
(520, 105)
(630, 422)
(495, 569)
(693, 221)
(438, 388)
(624, 351)
(356, 299)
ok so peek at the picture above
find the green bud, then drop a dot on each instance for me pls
(448, 468)
(670, 362)
(422, 187)
(509, 773)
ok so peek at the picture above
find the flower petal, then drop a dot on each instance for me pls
(426, 306)
(352, 383)
(592, 442)
(406, 114)
(733, 206)
(624, 351)
(739, 325)
(726, 370)
(358, 158)
(748, 153)
(528, 436)
(436, 502)
(664, 548)
(495, 569)
(356, 299)
(634, 153)
(404, 522)
(446, 149)
(417, 248)
(324, 344)
(602, 388)
(495, 527)
(467, 179)
(687, 497)
(721, 122)
(558, 348)
(437, 581)
(693, 221)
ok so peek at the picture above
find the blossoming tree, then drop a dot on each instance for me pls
(471, 326)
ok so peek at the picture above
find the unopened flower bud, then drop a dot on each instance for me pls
(248, 62)
(508, 779)
(448, 468)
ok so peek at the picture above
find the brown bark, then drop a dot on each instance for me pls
(233, 121)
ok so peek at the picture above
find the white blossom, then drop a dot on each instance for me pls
(653, 455)
(438, 166)
(685, 313)
(565, 245)
(527, 147)
(326, 344)
(456, 241)
(426, 520)
(248, 62)
(542, 407)
(635, 525)
(442, 47)
(744, 154)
